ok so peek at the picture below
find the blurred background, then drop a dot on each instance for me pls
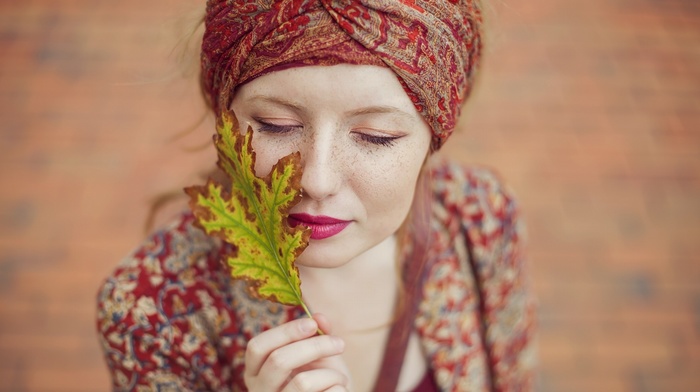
(589, 109)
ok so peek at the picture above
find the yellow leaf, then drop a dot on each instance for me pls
(252, 215)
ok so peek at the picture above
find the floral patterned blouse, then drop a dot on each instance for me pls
(170, 318)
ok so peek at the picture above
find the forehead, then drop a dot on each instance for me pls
(343, 86)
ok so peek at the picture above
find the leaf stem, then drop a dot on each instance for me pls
(308, 313)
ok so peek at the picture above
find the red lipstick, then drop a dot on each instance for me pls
(321, 226)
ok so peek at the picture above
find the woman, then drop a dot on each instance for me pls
(367, 91)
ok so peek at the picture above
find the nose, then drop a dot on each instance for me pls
(322, 163)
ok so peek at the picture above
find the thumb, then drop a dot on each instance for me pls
(323, 323)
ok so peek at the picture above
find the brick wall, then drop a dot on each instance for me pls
(589, 109)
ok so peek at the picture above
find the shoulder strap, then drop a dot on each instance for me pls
(413, 278)
(403, 325)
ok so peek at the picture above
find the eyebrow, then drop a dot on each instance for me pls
(379, 109)
(278, 101)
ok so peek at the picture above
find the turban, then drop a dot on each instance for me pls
(432, 46)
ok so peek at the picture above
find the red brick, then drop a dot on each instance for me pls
(588, 109)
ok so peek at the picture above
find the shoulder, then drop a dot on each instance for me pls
(170, 314)
(475, 227)
(477, 230)
(178, 253)
(480, 188)
(478, 279)
(166, 296)
(473, 198)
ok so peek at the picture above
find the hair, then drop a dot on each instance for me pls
(416, 226)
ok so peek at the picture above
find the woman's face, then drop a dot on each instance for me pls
(362, 144)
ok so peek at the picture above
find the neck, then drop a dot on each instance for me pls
(374, 260)
(358, 295)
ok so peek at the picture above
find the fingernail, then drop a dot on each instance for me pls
(307, 326)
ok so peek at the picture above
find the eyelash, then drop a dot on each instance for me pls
(272, 128)
(385, 141)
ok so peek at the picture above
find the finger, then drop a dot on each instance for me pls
(323, 323)
(337, 388)
(260, 347)
(281, 362)
(317, 380)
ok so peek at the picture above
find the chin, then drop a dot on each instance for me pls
(316, 258)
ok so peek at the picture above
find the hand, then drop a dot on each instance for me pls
(292, 358)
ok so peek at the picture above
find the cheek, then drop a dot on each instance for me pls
(387, 187)
(267, 150)
(270, 150)
(264, 159)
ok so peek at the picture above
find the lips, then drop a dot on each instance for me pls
(321, 226)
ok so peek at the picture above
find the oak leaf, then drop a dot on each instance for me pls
(252, 215)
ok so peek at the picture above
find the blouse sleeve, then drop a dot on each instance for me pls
(158, 319)
(494, 238)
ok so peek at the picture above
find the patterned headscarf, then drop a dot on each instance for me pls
(431, 45)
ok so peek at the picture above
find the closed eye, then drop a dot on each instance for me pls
(386, 141)
(268, 127)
